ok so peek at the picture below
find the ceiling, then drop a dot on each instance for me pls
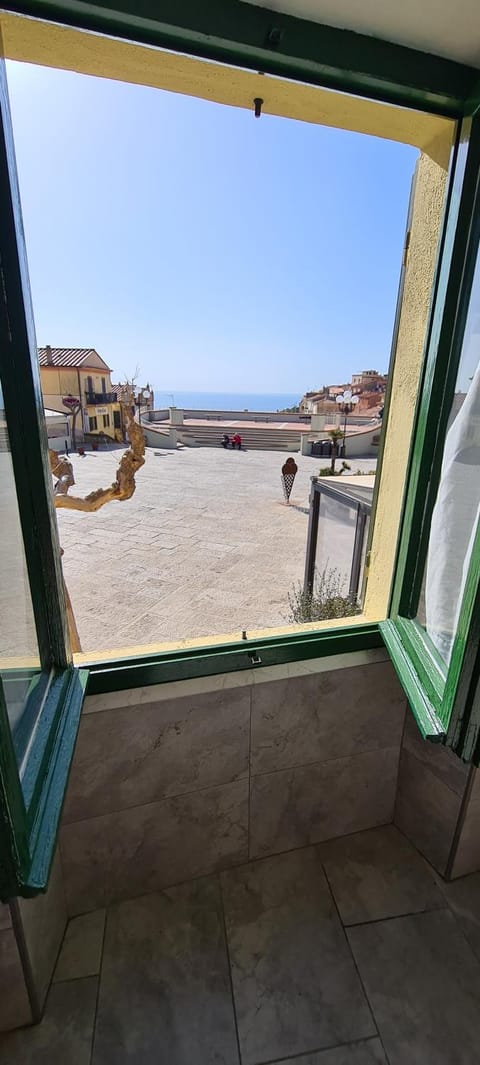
(449, 28)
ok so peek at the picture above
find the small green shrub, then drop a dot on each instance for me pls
(327, 471)
(328, 599)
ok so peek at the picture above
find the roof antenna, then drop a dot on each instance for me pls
(257, 103)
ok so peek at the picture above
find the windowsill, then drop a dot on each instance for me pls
(161, 663)
(90, 658)
(136, 697)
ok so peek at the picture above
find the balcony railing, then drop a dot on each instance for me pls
(337, 533)
(100, 397)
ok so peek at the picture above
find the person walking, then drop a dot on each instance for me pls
(237, 441)
(225, 440)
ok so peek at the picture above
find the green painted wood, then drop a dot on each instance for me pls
(14, 852)
(27, 843)
(461, 712)
(443, 351)
(257, 38)
(448, 692)
(425, 659)
(54, 784)
(38, 757)
(209, 661)
(23, 400)
(424, 711)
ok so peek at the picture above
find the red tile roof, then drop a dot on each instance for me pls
(68, 357)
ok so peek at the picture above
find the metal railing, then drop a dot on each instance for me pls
(356, 498)
(100, 397)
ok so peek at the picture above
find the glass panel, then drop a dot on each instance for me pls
(336, 538)
(456, 511)
(19, 657)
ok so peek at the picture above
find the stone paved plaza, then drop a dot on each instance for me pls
(205, 546)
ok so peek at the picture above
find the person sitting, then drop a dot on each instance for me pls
(237, 441)
(225, 440)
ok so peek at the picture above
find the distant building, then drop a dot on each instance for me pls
(369, 381)
(144, 398)
(81, 373)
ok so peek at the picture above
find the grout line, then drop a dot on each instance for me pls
(155, 802)
(318, 1050)
(226, 783)
(75, 979)
(234, 780)
(26, 962)
(434, 872)
(350, 951)
(460, 822)
(395, 916)
(239, 864)
(99, 977)
(229, 964)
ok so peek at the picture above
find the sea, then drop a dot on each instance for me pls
(263, 401)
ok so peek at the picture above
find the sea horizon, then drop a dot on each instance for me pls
(238, 401)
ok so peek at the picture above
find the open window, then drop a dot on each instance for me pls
(428, 445)
(41, 693)
(432, 632)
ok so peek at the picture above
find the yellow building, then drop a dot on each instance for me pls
(81, 373)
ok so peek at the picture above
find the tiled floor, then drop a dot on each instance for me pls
(344, 953)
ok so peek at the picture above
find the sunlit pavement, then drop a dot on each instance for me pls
(205, 546)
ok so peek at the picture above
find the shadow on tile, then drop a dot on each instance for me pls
(81, 952)
(367, 1052)
(64, 1036)
(294, 981)
(423, 984)
(378, 874)
(165, 992)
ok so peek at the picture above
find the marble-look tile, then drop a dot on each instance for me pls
(81, 952)
(426, 809)
(440, 760)
(64, 1036)
(294, 982)
(463, 897)
(165, 990)
(466, 858)
(378, 874)
(85, 852)
(14, 1003)
(5, 916)
(327, 715)
(142, 754)
(154, 846)
(366, 1052)
(44, 919)
(294, 807)
(225, 681)
(423, 984)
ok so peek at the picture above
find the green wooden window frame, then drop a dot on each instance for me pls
(442, 698)
(261, 40)
(30, 798)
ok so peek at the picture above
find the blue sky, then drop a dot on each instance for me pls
(216, 251)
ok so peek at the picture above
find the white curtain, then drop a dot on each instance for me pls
(455, 517)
